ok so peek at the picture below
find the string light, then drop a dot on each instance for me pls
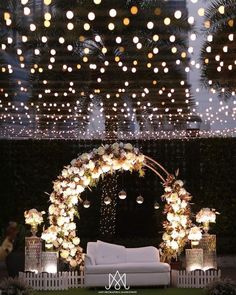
(125, 117)
(140, 199)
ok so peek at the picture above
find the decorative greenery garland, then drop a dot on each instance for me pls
(84, 172)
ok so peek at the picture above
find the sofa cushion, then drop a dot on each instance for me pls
(109, 253)
(152, 267)
(92, 250)
(143, 254)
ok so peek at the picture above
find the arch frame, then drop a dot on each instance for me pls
(85, 172)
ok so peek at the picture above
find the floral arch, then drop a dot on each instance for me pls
(85, 171)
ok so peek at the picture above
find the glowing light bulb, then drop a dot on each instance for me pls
(122, 195)
(107, 200)
(150, 25)
(70, 26)
(86, 204)
(140, 199)
(178, 14)
(91, 16)
(112, 12)
(69, 14)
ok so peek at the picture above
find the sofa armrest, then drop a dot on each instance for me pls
(88, 260)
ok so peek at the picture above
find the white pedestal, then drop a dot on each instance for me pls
(49, 262)
(208, 244)
(33, 254)
(194, 259)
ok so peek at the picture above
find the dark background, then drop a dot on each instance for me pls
(207, 166)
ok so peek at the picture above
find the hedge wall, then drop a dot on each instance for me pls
(208, 167)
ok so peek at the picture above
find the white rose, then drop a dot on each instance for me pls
(57, 186)
(73, 252)
(183, 204)
(173, 198)
(52, 209)
(86, 180)
(91, 165)
(79, 189)
(64, 254)
(179, 182)
(105, 168)
(175, 207)
(73, 200)
(168, 189)
(116, 165)
(72, 185)
(166, 237)
(73, 263)
(101, 151)
(170, 217)
(182, 233)
(72, 226)
(65, 173)
(73, 162)
(76, 241)
(174, 234)
(84, 157)
(174, 245)
(115, 146)
(182, 191)
(128, 146)
(130, 156)
(126, 166)
(60, 220)
(81, 172)
(64, 183)
(141, 158)
(183, 220)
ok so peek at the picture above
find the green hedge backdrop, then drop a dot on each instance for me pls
(207, 166)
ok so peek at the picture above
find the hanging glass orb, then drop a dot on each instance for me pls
(86, 204)
(156, 205)
(107, 200)
(122, 195)
(140, 199)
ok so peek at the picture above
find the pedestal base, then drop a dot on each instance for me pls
(49, 262)
(208, 244)
(194, 259)
(33, 254)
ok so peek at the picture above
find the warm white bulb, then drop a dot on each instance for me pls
(61, 40)
(32, 27)
(122, 195)
(91, 16)
(118, 40)
(70, 26)
(26, 10)
(69, 14)
(112, 12)
(140, 199)
(178, 14)
(44, 39)
(97, 38)
(150, 25)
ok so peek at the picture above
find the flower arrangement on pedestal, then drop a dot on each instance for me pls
(178, 221)
(195, 235)
(206, 216)
(34, 218)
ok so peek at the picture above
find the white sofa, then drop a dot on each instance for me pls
(141, 266)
